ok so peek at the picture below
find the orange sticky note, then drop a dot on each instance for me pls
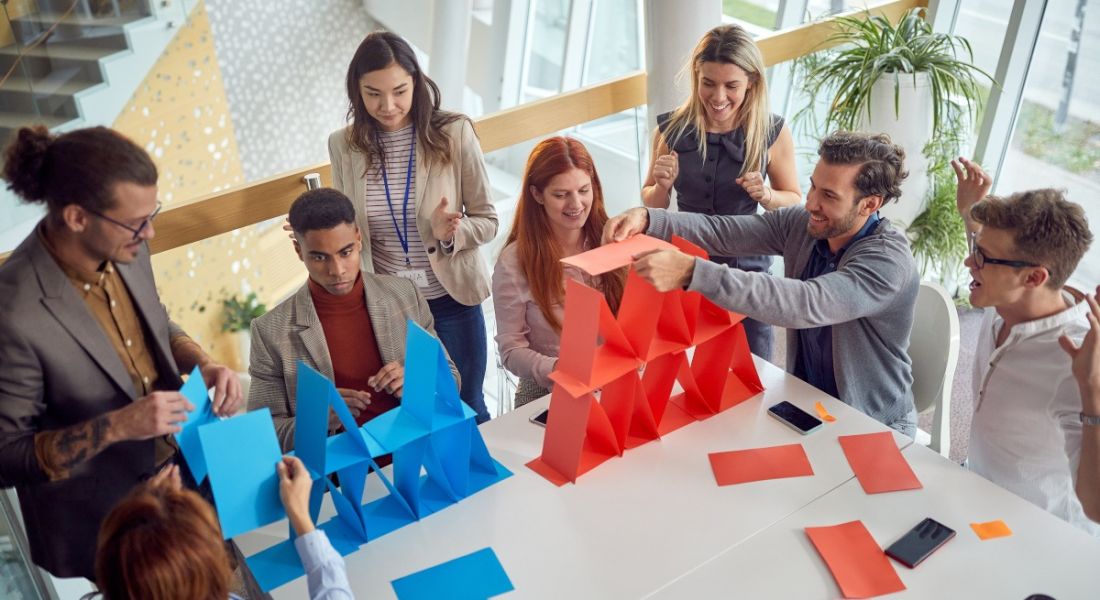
(991, 530)
(823, 413)
(758, 464)
(857, 563)
(615, 255)
(877, 463)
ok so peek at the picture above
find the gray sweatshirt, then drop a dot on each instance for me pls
(868, 301)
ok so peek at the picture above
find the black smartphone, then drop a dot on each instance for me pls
(540, 419)
(794, 417)
(919, 542)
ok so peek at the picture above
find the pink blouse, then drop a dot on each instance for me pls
(527, 344)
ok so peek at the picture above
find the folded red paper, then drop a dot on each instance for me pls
(616, 255)
(758, 464)
(877, 463)
(855, 559)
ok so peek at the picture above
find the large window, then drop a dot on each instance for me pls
(1055, 140)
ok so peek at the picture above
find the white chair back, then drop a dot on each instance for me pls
(934, 350)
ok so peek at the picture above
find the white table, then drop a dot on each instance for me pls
(1044, 554)
(633, 525)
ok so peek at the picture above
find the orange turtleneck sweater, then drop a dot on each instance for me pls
(351, 344)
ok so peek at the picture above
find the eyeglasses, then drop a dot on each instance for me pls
(981, 260)
(135, 230)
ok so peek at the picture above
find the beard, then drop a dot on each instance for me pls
(835, 227)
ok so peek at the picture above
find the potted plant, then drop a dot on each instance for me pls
(905, 80)
(938, 235)
(237, 315)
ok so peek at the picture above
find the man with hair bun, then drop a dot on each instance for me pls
(1036, 430)
(90, 361)
(851, 282)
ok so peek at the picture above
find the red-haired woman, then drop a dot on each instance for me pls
(561, 213)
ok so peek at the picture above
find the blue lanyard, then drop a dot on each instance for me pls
(403, 238)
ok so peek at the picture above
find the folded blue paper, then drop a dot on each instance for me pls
(241, 456)
(188, 438)
(475, 576)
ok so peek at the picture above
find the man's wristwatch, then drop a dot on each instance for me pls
(1090, 419)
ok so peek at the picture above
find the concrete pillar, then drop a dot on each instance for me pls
(671, 31)
(450, 40)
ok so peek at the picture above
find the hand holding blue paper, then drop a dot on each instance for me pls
(188, 439)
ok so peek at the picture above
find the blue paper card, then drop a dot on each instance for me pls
(188, 439)
(474, 576)
(242, 453)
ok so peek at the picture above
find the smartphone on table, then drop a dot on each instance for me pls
(540, 418)
(920, 542)
(794, 417)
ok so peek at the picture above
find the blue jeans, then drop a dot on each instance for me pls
(461, 328)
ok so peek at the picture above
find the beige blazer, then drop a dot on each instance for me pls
(464, 182)
(292, 331)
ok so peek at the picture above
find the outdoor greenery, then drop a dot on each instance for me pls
(238, 314)
(750, 12)
(1076, 148)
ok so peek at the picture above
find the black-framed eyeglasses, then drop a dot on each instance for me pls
(981, 260)
(135, 230)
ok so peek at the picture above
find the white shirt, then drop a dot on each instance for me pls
(1026, 432)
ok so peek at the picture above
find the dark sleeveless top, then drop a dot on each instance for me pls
(710, 187)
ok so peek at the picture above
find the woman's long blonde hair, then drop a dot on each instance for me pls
(729, 44)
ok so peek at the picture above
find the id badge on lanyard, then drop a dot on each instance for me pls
(417, 276)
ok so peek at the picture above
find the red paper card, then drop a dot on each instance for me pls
(616, 255)
(877, 463)
(857, 563)
(758, 464)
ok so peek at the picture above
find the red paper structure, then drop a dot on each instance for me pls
(600, 352)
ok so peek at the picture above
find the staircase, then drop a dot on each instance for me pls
(63, 54)
(81, 73)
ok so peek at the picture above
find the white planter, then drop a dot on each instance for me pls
(909, 126)
(244, 348)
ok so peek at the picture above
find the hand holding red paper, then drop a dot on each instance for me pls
(620, 227)
(665, 270)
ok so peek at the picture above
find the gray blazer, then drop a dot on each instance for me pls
(464, 182)
(869, 300)
(292, 331)
(58, 369)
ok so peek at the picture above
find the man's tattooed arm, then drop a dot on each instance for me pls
(60, 450)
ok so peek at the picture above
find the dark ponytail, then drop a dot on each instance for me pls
(80, 167)
(24, 160)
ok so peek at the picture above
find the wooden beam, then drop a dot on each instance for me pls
(550, 115)
(795, 42)
(224, 211)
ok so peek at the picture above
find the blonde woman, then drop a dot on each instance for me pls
(744, 159)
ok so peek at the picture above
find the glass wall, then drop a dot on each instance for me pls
(1056, 137)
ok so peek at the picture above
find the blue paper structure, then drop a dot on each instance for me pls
(431, 431)
(188, 438)
(475, 576)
